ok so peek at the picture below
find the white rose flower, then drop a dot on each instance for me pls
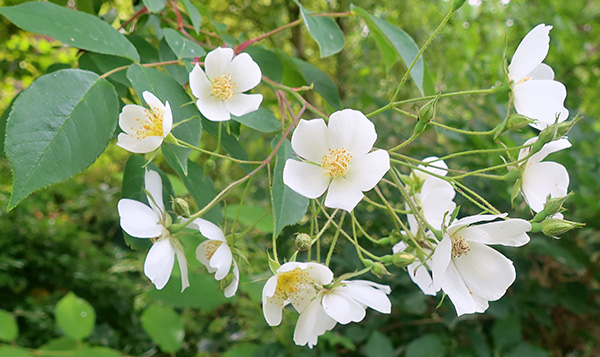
(343, 303)
(216, 254)
(140, 221)
(144, 129)
(294, 283)
(338, 159)
(220, 89)
(543, 179)
(537, 95)
(470, 272)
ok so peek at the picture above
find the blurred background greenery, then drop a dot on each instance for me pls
(67, 238)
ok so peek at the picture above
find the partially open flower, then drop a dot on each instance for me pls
(338, 159)
(470, 272)
(543, 179)
(220, 89)
(215, 254)
(294, 283)
(144, 129)
(140, 221)
(537, 95)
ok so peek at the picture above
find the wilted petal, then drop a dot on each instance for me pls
(217, 62)
(306, 179)
(512, 232)
(351, 130)
(310, 140)
(139, 220)
(159, 263)
(541, 100)
(213, 108)
(365, 172)
(543, 179)
(153, 184)
(240, 104)
(531, 52)
(486, 273)
(342, 308)
(139, 146)
(199, 83)
(245, 72)
(343, 194)
(183, 269)
(233, 286)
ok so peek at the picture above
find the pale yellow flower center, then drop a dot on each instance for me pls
(460, 246)
(150, 125)
(223, 86)
(211, 248)
(336, 162)
(290, 281)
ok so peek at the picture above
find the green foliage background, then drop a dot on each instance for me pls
(67, 238)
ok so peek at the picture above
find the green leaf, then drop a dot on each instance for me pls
(13, 351)
(394, 43)
(228, 141)
(241, 350)
(164, 327)
(8, 327)
(203, 285)
(155, 6)
(288, 206)
(97, 351)
(133, 188)
(506, 333)
(57, 128)
(63, 343)
(379, 346)
(167, 89)
(261, 120)
(202, 190)
(322, 83)
(178, 73)
(3, 120)
(429, 345)
(527, 349)
(71, 27)
(268, 61)
(181, 46)
(325, 31)
(75, 316)
(250, 215)
(100, 64)
(194, 15)
(148, 53)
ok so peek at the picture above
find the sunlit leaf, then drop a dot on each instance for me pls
(75, 316)
(261, 120)
(181, 46)
(164, 327)
(325, 31)
(8, 327)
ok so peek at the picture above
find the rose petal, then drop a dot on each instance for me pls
(343, 194)
(511, 232)
(213, 108)
(531, 52)
(365, 172)
(454, 286)
(139, 146)
(240, 104)
(183, 269)
(306, 179)
(233, 286)
(200, 84)
(139, 220)
(310, 140)
(543, 179)
(159, 263)
(217, 61)
(245, 72)
(153, 184)
(342, 308)
(542, 100)
(352, 130)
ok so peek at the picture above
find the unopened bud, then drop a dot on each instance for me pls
(550, 133)
(566, 126)
(427, 112)
(377, 268)
(181, 207)
(402, 259)
(457, 4)
(209, 165)
(303, 241)
(553, 227)
(554, 205)
(516, 122)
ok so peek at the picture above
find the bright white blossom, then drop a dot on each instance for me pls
(419, 271)
(294, 283)
(436, 195)
(537, 95)
(470, 272)
(220, 89)
(216, 254)
(140, 221)
(338, 159)
(343, 303)
(543, 179)
(144, 129)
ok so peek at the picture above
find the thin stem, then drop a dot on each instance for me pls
(190, 146)
(423, 48)
(147, 65)
(448, 95)
(335, 237)
(295, 94)
(405, 143)
(316, 238)
(461, 131)
(405, 113)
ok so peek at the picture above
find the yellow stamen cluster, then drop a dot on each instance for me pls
(151, 125)
(290, 281)
(460, 246)
(336, 162)
(223, 86)
(211, 248)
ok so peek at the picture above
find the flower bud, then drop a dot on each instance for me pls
(553, 227)
(457, 4)
(427, 112)
(516, 122)
(377, 268)
(181, 207)
(402, 259)
(303, 241)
